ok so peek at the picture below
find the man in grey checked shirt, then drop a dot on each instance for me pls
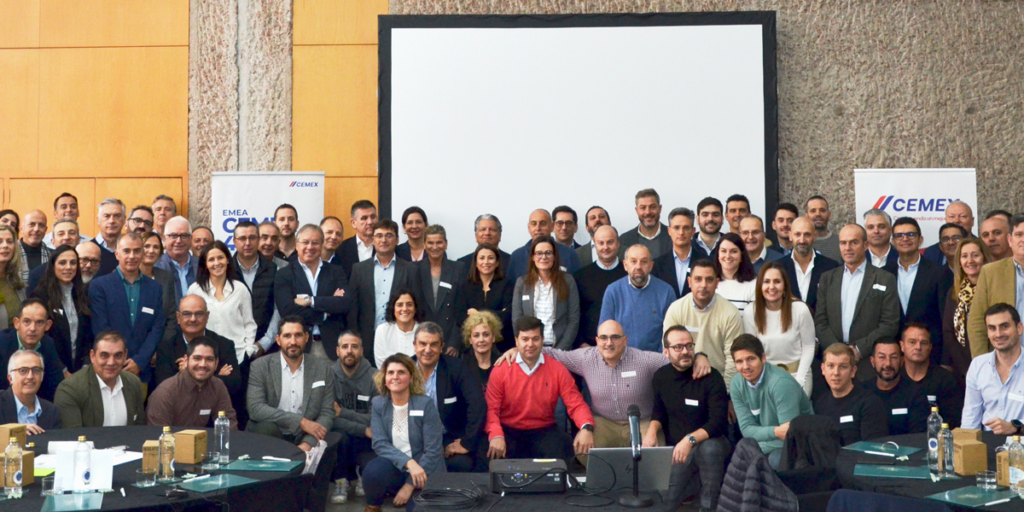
(617, 375)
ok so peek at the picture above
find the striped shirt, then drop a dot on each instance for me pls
(614, 389)
(544, 306)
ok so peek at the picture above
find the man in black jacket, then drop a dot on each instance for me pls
(21, 403)
(258, 274)
(860, 414)
(459, 398)
(804, 265)
(29, 333)
(673, 267)
(905, 403)
(592, 281)
(360, 246)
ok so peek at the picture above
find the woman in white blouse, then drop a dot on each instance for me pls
(228, 301)
(783, 323)
(737, 277)
(395, 335)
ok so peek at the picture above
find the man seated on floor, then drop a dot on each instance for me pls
(21, 403)
(939, 384)
(101, 394)
(353, 390)
(905, 403)
(995, 381)
(192, 397)
(859, 414)
(521, 400)
(766, 399)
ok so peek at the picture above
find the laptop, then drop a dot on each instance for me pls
(612, 468)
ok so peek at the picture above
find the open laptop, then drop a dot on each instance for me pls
(655, 467)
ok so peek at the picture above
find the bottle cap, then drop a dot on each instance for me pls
(81, 439)
(222, 414)
(1016, 439)
(167, 429)
(945, 426)
(14, 439)
(30, 445)
(935, 409)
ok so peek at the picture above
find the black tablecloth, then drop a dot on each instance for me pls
(274, 491)
(522, 502)
(909, 487)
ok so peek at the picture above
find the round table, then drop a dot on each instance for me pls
(286, 491)
(910, 487)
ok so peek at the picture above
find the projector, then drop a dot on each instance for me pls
(528, 476)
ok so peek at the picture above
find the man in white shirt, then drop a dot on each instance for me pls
(878, 224)
(674, 267)
(359, 247)
(709, 216)
(102, 394)
(804, 265)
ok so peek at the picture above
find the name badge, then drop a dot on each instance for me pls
(526, 297)
(1016, 397)
(693, 328)
(755, 412)
(317, 384)
(931, 398)
(846, 419)
(691, 402)
(899, 411)
(415, 413)
(443, 284)
(563, 268)
(204, 412)
(879, 287)
(451, 400)
(362, 398)
(147, 311)
(626, 375)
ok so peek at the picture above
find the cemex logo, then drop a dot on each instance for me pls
(302, 184)
(913, 204)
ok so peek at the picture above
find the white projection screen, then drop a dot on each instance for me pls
(506, 114)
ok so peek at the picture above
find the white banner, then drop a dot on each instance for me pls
(237, 196)
(922, 194)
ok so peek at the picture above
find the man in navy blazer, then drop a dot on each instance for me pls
(922, 284)
(459, 398)
(803, 235)
(352, 250)
(684, 252)
(130, 303)
(752, 234)
(29, 333)
(21, 403)
(540, 226)
(322, 308)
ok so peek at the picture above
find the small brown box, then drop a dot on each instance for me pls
(10, 430)
(969, 457)
(28, 467)
(189, 446)
(1003, 468)
(973, 434)
(150, 454)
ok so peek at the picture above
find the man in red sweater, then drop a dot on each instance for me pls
(521, 400)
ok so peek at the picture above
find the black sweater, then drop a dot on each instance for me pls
(591, 281)
(683, 404)
(906, 406)
(861, 415)
(942, 389)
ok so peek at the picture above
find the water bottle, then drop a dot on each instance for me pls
(1016, 472)
(222, 436)
(934, 457)
(12, 469)
(165, 469)
(947, 450)
(83, 473)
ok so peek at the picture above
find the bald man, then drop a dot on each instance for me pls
(858, 303)
(959, 213)
(539, 225)
(804, 265)
(593, 279)
(638, 301)
(34, 253)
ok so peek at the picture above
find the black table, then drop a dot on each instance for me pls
(273, 491)
(522, 502)
(909, 487)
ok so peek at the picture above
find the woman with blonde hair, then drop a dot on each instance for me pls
(971, 255)
(407, 435)
(480, 333)
(12, 288)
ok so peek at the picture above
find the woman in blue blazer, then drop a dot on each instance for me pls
(407, 435)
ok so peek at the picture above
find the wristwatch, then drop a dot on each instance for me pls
(1017, 425)
(588, 427)
(692, 440)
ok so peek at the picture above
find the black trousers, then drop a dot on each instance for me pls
(352, 451)
(702, 473)
(543, 443)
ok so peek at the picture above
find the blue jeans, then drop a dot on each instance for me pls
(702, 472)
(381, 478)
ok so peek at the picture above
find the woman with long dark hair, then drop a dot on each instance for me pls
(67, 299)
(395, 335)
(228, 301)
(487, 289)
(737, 279)
(549, 294)
(414, 223)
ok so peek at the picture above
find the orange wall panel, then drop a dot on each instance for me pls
(19, 23)
(108, 111)
(81, 23)
(340, 193)
(19, 111)
(38, 193)
(337, 22)
(334, 109)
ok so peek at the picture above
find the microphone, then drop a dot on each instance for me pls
(633, 411)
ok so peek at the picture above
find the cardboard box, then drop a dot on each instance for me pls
(28, 467)
(1003, 468)
(10, 430)
(969, 457)
(973, 434)
(151, 454)
(189, 446)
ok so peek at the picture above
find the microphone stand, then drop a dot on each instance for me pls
(636, 501)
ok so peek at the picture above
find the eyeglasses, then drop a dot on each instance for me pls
(250, 238)
(906, 236)
(23, 371)
(544, 254)
(955, 239)
(614, 338)
(140, 220)
(193, 314)
(178, 236)
(88, 262)
(688, 347)
(565, 223)
(383, 236)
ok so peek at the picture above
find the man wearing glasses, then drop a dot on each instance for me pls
(171, 356)
(20, 403)
(89, 260)
(258, 273)
(140, 220)
(29, 333)
(920, 283)
(177, 258)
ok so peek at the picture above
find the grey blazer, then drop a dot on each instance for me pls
(877, 315)
(425, 434)
(585, 254)
(317, 395)
(567, 312)
(442, 308)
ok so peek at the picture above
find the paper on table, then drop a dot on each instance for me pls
(101, 465)
(39, 473)
(64, 446)
(49, 461)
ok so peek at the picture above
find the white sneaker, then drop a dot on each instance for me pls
(341, 493)
(359, 483)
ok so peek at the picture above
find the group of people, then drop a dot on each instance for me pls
(424, 364)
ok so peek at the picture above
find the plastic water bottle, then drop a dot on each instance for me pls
(947, 450)
(12, 469)
(165, 469)
(1016, 472)
(83, 473)
(934, 457)
(222, 435)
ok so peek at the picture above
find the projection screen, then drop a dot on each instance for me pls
(506, 114)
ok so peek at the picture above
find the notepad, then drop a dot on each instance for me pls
(262, 465)
(890, 471)
(214, 483)
(69, 502)
(973, 496)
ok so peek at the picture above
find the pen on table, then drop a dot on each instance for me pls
(879, 453)
(268, 457)
(997, 502)
(122, 492)
(200, 477)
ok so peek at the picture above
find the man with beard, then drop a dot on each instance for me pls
(34, 253)
(940, 386)
(859, 413)
(691, 412)
(101, 394)
(781, 224)
(595, 218)
(353, 390)
(804, 266)
(709, 217)
(189, 325)
(638, 301)
(826, 242)
(905, 401)
(650, 233)
(88, 260)
(192, 398)
(140, 220)
(286, 217)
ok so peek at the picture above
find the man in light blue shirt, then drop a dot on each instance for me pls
(995, 381)
(21, 403)
(178, 259)
(383, 274)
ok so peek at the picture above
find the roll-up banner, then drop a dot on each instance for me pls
(237, 196)
(922, 194)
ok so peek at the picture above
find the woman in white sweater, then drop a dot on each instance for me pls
(228, 301)
(395, 335)
(783, 323)
(737, 279)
